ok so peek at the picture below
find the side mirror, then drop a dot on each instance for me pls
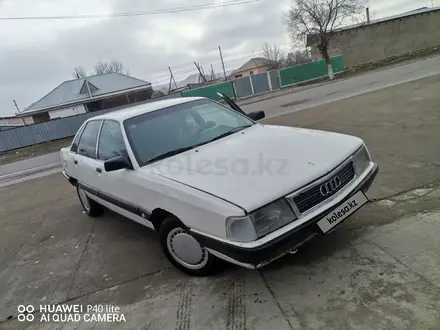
(256, 115)
(117, 163)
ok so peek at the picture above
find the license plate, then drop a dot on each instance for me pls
(342, 211)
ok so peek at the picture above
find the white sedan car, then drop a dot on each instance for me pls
(215, 183)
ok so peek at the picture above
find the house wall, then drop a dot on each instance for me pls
(11, 121)
(66, 112)
(381, 40)
(246, 73)
(28, 120)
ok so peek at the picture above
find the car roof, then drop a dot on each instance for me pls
(136, 110)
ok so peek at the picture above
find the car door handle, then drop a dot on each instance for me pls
(99, 170)
(75, 162)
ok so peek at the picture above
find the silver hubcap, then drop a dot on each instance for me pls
(186, 250)
(84, 199)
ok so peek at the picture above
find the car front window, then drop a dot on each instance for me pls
(178, 127)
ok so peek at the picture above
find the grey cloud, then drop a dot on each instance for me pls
(30, 71)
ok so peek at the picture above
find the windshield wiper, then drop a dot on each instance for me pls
(232, 131)
(170, 153)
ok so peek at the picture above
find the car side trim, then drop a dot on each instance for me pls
(117, 202)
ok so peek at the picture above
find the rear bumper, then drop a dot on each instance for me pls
(261, 255)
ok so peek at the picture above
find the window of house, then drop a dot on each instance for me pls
(251, 73)
(111, 143)
(87, 142)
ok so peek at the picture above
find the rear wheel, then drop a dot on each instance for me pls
(184, 251)
(91, 207)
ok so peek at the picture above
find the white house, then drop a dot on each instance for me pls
(88, 94)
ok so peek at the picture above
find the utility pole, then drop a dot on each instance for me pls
(212, 74)
(223, 64)
(16, 106)
(203, 73)
(171, 79)
(200, 71)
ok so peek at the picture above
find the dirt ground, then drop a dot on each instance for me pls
(379, 270)
(11, 156)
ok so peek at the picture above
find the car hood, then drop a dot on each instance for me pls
(260, 164)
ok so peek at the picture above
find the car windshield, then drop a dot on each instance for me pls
(163, 133)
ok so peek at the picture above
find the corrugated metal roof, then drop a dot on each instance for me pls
(70, 91)
(256, 62)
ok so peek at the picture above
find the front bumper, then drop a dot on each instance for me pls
(261, 255)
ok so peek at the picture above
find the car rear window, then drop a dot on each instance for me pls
(87, 143)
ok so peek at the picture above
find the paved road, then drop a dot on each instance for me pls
(347, 88)
(295, 101)
(29, 164)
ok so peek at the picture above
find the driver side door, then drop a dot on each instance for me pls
(117, 188)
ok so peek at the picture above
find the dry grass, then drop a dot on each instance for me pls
(33, 151)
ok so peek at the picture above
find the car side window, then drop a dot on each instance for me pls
(87, 142)
(74, 147)
(111, 143)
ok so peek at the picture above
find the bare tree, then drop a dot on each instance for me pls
(272, 53)
(102, 68)
(319, 19)
(296, 58)
(108, 67)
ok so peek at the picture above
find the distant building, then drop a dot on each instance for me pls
(254, 66)
(381, 38)
(196, 80)
(88, 94)
(10, 122)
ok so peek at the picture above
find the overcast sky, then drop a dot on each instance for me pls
(36, 56)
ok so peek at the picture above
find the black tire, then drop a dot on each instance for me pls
(205, 267)
(95, 209)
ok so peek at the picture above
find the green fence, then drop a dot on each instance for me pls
(314, 70)
(211, 91)
(289, 76)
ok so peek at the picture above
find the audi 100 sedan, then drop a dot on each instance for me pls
(215, 183)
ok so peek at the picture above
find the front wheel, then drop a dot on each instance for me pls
(184, 251)
(92, 208)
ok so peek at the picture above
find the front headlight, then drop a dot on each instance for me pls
(361, 160)
(260, 222)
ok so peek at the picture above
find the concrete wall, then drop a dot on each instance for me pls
(381, 40)
(66, 112)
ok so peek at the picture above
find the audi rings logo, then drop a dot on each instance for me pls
(25, 313)
(330, 186)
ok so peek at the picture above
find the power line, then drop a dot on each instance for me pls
(136, 13)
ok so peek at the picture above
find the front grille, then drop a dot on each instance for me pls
(312, 197)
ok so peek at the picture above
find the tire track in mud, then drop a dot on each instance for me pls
(183, 313)
(236, 318)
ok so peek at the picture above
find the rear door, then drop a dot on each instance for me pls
(85, 162)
